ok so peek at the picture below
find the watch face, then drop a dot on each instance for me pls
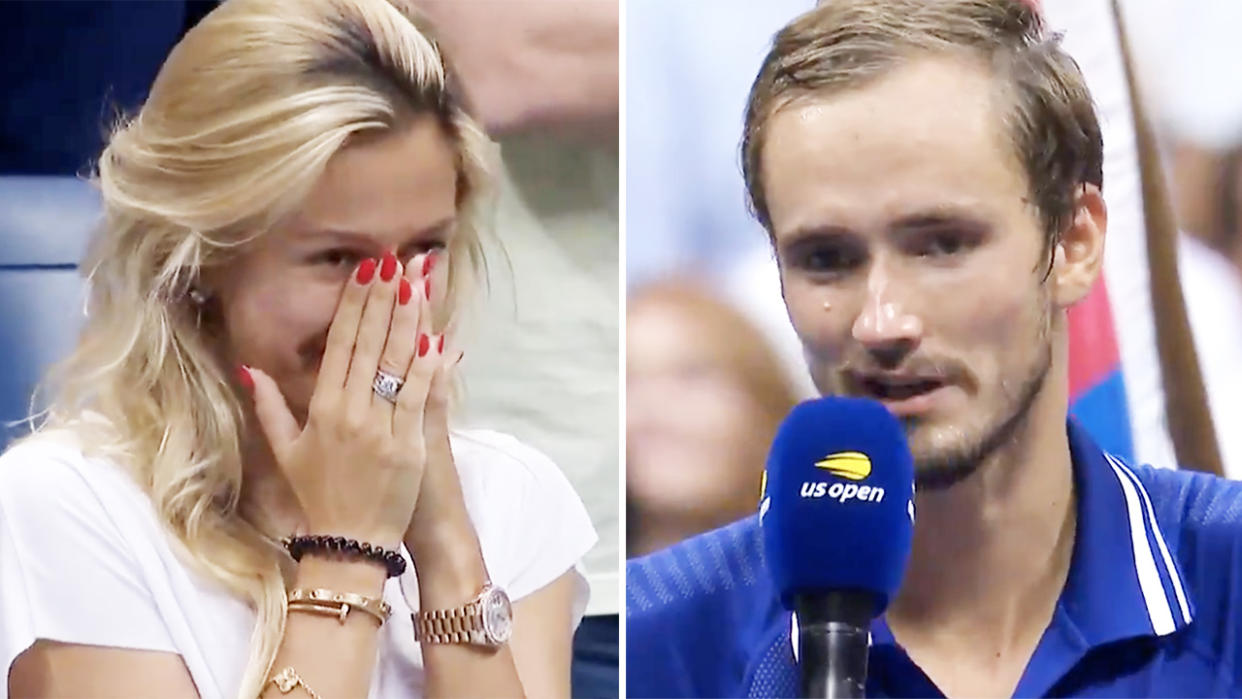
(497, 616)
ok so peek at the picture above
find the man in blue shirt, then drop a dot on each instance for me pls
(930, 177)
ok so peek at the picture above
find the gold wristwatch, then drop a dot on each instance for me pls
(485, 621)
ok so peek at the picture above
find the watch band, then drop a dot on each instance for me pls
(461, 625)
(483, 621)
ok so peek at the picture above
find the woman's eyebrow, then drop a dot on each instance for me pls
(355, 237)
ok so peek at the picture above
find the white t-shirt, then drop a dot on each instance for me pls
(84, 559)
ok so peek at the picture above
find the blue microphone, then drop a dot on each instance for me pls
(837, 514)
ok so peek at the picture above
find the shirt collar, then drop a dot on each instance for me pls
(1123, 580)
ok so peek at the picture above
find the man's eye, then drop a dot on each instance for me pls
(828, 259)
(941, 245)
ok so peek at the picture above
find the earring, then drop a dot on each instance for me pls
(827, 306)
(197, 296)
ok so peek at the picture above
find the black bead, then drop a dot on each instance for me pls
(395, 563)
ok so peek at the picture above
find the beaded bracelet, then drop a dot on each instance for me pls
(313, 544)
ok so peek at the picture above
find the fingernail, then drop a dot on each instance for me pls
(388, 267)
(404, 292)
(244, 378)
(366, 270)
(440, 347)
(429, 263)
(424, 344)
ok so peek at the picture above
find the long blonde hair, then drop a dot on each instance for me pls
(239, 125)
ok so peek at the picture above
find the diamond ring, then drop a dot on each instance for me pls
(387, 385)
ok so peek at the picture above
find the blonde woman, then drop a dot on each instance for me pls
(246, 485)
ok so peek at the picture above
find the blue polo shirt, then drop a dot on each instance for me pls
(1152, 605)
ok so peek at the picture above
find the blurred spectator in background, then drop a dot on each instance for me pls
(704, 395)
(543, 77)
(1214, 305)
(1186, 55)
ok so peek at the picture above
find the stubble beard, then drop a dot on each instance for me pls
(942, 468)
(945, 467)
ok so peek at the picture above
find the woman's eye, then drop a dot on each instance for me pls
(338, 258)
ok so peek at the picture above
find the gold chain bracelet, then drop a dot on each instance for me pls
(287, 680)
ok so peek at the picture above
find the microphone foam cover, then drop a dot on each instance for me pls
(837, 509)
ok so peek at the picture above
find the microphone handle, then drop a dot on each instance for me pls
(834, 659)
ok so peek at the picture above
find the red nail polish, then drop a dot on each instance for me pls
(440, 348)
(427, 287)
(388, 267)
(424, 344)
(366, 270)
(244, 378)
(404, 292)
(429, 263)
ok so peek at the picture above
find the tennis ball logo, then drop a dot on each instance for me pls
(851, 465)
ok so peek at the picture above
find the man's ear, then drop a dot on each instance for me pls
(1078, 256)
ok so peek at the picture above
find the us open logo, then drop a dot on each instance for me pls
(848, 465)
